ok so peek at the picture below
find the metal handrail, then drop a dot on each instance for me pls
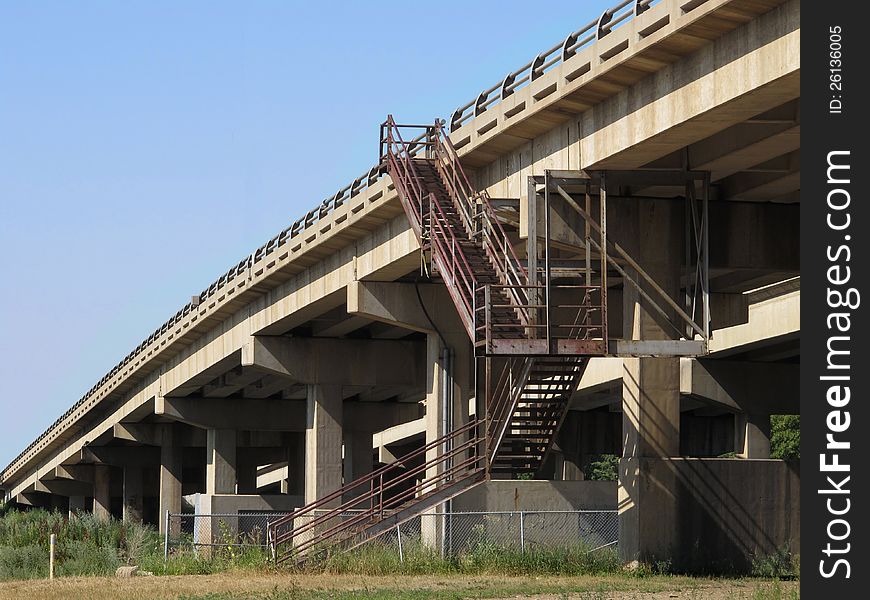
(374, 501)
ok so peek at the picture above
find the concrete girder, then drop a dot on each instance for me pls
(741, 146)
(271, 415)
(235, 413)
(121, 456)
(399, 305)
(340, 327)
(64, 487)
(740, 386)
(339, 362)
(763, 186)
(83, 473)
(744, 73)
(159, 434)
(770, 320)
(230, 383)
(270, 385)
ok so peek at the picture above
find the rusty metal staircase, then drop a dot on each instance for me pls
(534, 361)
(526, 415)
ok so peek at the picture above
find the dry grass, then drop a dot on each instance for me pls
(291, 586)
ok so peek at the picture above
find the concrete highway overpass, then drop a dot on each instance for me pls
(321, 353)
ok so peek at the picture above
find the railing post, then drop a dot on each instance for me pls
(399, 537)
(166, 539)
(487, 300)
(522, 533)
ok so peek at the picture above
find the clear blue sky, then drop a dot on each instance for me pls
(147, 146)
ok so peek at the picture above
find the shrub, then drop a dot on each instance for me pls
(778, 564)
(23, 562)
(602, 467)
(785, 437)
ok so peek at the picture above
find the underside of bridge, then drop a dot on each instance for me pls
(598, 256)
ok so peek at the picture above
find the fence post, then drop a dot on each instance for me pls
(522, 533)
(399, 537)
(51, 543)
(166, 539)
(450, 534)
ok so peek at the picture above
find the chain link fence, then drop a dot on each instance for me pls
(452, 534)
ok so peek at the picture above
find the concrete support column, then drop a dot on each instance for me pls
(357, 457)
(171, 456)
(132, 494)
(76, 505)
(650, 389)
(449, 386)
(295, 482)
(102, 498)
(246, 474)
(753, 435)
(323, 441)
(220, 467)
(58, 503)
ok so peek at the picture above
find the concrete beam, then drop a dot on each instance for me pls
(399, 304)
(771, 319)
(64, 487)
(339, 362)
(235, 413)
(377, 416)
(740, 386)
(75, 472)
(736, 77)
(158, 434)
(121, 456)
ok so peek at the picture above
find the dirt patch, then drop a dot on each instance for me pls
(240, 585)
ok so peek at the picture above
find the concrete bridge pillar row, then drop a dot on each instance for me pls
(295, 482)
(102, 494)
(323, 441)
(357, 455)
(650, 391)
(753, 435)
(449, 386)
(76, 505)
(133, 488)
(220, 467)
(171, 453)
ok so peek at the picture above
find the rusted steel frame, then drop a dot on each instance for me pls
(483, 195)
(370, 478)
(578, 366)
(633, 263)
(410, 170)
(399, 499)
(359, 526)
(461, 196)
(376, 473)
(510, 404)
(443, 253)
(503, 388)
(407, 201)
(378, 492)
